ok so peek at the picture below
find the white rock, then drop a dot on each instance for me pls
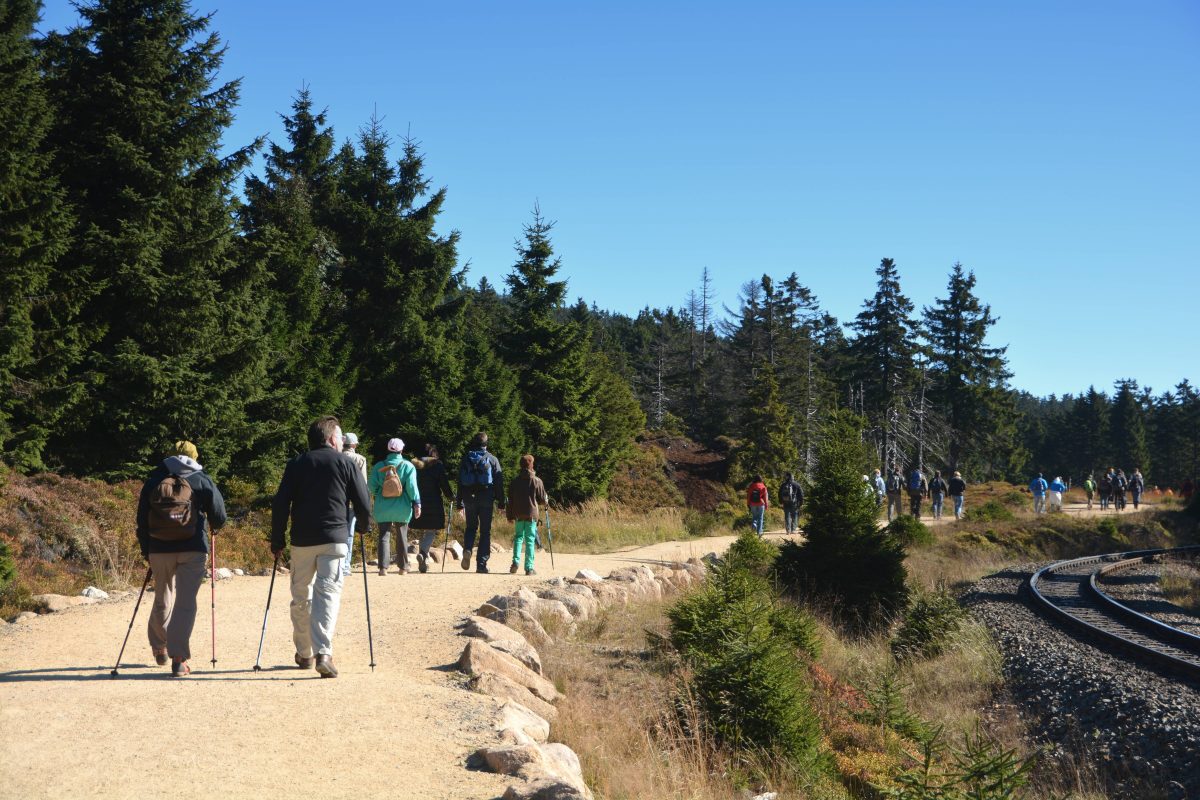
(521, 650)
(239, 572)
(514, 716)
(51, 603)
(94, 593)
(224, 573)
(456, 550)
(24, 616)
(588, 575)
(766, 796)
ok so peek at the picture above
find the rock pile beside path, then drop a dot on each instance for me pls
(1140, 727)
(503, 663)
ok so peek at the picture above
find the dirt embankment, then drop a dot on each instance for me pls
(697, 471)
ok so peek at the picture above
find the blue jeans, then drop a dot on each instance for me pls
(349, 546)
(791, 518)
(756, 518)
(479, 509)
(958, 505)
(937, 505)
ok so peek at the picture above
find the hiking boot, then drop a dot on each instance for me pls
(421, 565)
(161, 658)
(180, 669)
(512, 570)
(303, 663)
(466, 559)
(325, 666)
(530, 572)
(481, 569)
(383, 570)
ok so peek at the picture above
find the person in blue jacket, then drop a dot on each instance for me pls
(1057, 490)
(1038, 487)
(394, 512)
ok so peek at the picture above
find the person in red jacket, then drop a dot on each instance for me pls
(757, 501)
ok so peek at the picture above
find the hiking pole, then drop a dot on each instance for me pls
(212, 585)
(549, 538)
(271, 588)
(362, 540)
(136, 605)
(446, 546)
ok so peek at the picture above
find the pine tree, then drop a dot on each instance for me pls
(551, 357)
(405, 301)
(1090, 449)
(1128, 426)
(768, 446)
(175, 319)
(38, 343)
(967, 376)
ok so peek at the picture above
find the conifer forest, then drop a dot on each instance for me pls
(157, 285)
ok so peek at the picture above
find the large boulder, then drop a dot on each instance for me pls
(502, 688)
(607, 592)
(577, 605)
(515, 717)
(489, 630)
(456, 551)
(478, 658)
(521, 651)
(52, 603)
(546, 789)
(523, 621)
(511, 759)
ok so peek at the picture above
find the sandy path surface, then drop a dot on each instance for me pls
(68, 729)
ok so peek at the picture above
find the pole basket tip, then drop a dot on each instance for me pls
(113, 673)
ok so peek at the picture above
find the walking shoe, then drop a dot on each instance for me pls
(421, 565)
(481, 569)
(529, 572)
(303, 663)
(383, 570)
(512, 570)
(325, 666)
(180, 669)
(161, 658)
(466, 559)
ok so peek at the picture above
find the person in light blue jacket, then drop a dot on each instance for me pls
(394, 513)
(1057, 490)
(1038, 487)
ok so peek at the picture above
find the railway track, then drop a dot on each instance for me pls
(1069, 592)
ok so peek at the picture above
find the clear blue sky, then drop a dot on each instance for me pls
(1049, 146)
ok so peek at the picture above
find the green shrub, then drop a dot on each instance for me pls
(928, 624)
(981, 770)
(748, 680)
(910, 531)
(752, 552)
(700, 523)
(887, 708)
(8, 568)
(991, 511)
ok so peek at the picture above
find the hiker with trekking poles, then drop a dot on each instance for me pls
(524, 494)
(313, 496)
(177, 504)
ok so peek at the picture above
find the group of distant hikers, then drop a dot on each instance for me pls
(325, 495)
(1112, 489)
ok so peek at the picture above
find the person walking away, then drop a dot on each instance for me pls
(1136, 486)
(1057, 490)
(918, 487)
(176, 505)
(1089, 488)
(480, 484)
(895, 488)
(1105, 490)
(937, 492)
(1038, 487)
(395, 501)
(756, 502)
(791, 497)
(877, 483)
(350, 449)
(432, 481)
(525, 493)
(313, 496)
(957, 488)
(1120, 484)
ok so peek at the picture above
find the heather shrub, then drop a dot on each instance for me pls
(910, 531)
(929, 622)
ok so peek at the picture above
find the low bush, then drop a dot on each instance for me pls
(641, 482)
(991, 511)
(931, 619)
(981, 769)
(8, 568)
(752, 552)
(910, 531)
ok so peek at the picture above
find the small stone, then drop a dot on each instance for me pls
(239, 572)
(588, 575)
(224, 573)
(94, 593)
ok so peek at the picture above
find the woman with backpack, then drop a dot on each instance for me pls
(432, 480)
(756, 501)
(395, 501)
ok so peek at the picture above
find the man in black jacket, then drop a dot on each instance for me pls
(480, 484)
(177, 503)
(314, 493)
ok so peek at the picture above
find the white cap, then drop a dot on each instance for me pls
(396, 445)
(350, 439)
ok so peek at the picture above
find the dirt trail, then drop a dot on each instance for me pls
(67, 729)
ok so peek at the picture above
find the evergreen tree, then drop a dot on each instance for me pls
(175, 319)
(968, 377)
(768, 446)
(404, 295)
(38, 343)
(551, 356)
(1088, 441)
(1129, 429)
(492, 391)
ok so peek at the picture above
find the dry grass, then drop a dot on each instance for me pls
(1180, 584)
(599, 526)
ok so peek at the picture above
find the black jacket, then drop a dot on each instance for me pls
(207, 503)
(957, 486)
(432, 481)
(783, 494)
(314, 492)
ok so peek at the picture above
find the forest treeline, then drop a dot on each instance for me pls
(152, 287)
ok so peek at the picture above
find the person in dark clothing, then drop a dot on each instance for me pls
(524, 496)
(937, 492)
(957, 488)
(176, 505)
(432, 480)
(791, 497)
(480, 491)
(316, 489)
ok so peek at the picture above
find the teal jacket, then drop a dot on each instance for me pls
(394, 509)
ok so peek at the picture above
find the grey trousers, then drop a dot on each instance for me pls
(316, 596)
(177, 578)
(385, 545)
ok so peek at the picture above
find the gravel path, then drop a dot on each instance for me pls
(1140, 727)
(404, 731)
(1139, 588)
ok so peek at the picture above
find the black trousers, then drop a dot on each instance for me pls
(479, 508)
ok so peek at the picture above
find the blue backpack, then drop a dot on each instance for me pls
(914, 481)
(476, 469)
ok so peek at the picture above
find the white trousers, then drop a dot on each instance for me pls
(316, 596)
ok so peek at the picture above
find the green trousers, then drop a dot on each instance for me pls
(526, 535)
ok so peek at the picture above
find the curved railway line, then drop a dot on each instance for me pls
(1069, 591)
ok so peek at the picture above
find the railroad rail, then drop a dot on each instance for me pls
(1068, 591)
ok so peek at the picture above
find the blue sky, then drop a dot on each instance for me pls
(1049, 146)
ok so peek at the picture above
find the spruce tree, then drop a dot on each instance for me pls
(38, 342)
(1089, 444)
(175, 319)
(1128, 426)
(768, 446)
(551, 356)
(405, 301)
